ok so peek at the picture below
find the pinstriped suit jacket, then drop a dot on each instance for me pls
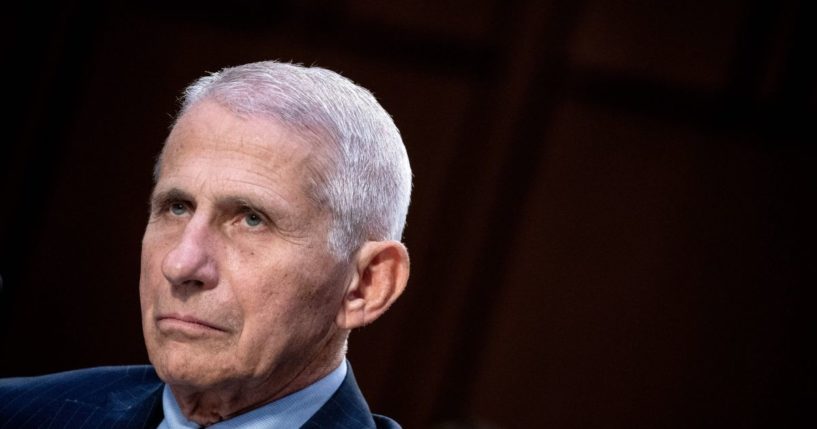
(131, 397)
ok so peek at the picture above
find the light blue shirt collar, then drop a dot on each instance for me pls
(291, 411)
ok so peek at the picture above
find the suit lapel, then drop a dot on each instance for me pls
(346, 409)
(139, 408)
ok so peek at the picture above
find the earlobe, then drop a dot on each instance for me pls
(382, 270)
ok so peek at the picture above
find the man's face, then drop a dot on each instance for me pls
(238, 284)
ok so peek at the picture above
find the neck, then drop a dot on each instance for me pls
(212, 405)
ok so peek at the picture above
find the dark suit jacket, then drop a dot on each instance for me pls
(131, 397)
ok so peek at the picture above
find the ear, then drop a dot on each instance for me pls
(382, 270)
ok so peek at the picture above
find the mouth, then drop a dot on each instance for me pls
(173, 322)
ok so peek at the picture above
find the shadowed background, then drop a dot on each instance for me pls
(611, 209)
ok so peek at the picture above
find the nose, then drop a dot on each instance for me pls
(191, 262)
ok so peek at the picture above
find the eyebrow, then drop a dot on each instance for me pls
(242, 201)
(271, 209)
(172, 194)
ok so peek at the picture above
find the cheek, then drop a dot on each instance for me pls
(275, 297)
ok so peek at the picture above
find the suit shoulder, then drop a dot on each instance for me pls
(105, 375)
(26, 398)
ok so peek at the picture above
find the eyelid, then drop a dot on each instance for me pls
(247, 209)
(163, 204)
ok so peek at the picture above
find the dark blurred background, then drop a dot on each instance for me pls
(612, 205)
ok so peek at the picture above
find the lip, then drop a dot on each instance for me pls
(186, 322)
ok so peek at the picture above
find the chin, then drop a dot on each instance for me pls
(184, 372)
(189, 368)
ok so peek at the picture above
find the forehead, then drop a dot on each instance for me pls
(209, 126)
(209, 144)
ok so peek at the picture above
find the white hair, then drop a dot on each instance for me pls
(366, 184)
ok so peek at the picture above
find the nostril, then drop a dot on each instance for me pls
(193, 282)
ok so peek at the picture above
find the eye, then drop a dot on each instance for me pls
(253, 219)
(178, 209)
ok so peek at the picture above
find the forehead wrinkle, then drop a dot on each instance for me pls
(283, 142)
(280, 159)
(273, 173)
(200, 182)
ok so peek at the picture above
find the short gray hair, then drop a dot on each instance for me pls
(367, 185)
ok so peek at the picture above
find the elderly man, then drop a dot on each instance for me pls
(275, 224)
